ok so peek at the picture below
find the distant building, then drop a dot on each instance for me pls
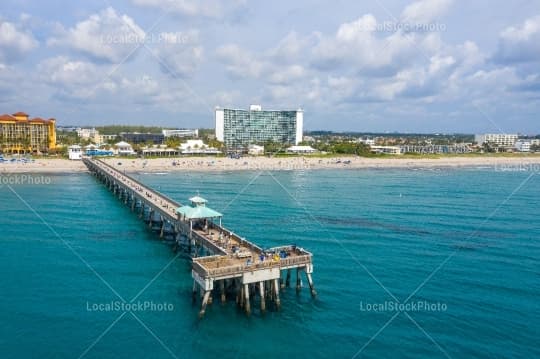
(20, 134)
(301, 149)
(181, 133)
(106, 138)
(160, 151)
(240, 128)
(500, 139)
(137, 138)
(197, 147)
(124, 149)
(255, 150)
(523, 145)
(66, 128)
(458, 148)
(75, 152)
(389, 150)
(90, 134)
(367, 141)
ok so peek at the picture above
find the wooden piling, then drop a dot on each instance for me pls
(247, 304)
(204, 303)
(261, 293)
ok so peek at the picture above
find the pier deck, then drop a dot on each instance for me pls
(233, 262)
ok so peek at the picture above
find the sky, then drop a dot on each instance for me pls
(438, 66)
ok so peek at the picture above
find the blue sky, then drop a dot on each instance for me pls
(412, 66)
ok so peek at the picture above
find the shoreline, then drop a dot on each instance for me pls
(222, 164)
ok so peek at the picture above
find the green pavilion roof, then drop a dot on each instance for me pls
(198, 212)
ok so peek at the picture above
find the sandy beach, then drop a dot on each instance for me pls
(523, 163)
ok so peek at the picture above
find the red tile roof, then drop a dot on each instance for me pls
(7, 117)
(21, 114)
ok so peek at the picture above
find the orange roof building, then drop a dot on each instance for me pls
(20, 134)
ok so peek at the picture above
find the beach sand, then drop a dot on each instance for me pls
(523, 163)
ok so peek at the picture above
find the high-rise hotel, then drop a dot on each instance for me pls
(238, 129)
(20, 134)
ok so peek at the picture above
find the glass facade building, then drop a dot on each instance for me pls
(240, 128)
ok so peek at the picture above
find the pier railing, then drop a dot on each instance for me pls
(130, 178)
(231, 270)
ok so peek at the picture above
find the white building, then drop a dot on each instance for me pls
(75, 152)
(301, 149)
(523, 145)
(255, 150)
(367, 141)
(181, 133)
(124, 149)
(500, 139)
(90, 134)
(192, 147)
(389, 150)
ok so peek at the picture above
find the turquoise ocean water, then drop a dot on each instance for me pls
(468, 237)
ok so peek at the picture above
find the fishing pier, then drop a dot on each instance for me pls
(224, 265)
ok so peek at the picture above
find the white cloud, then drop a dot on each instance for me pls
(425, 11)
(105, 36)
(209, 8)
(14, 43)
(287, 74)
(180, 53)
(521, 43)
(240, 63)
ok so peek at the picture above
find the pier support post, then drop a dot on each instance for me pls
(222, 289)
(298, 281)
(276, 294)
(236, 289)
(161, 232)
(241, 296)
(141, 210)
(194, 294)
(288, 279)
(261, 292)
(247, 304)
(150, 215)
(133, 200)
(311, 287)
(204, 303)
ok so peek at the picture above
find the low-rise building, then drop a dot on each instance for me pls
(255, 150)
(523, 145)
(389, 150)
(367, 141)
(75, 152)
(160, 151)
(124, 149)
(499, 139)
(301, 149)
(181, 133)
(192, 147)
(138, 138)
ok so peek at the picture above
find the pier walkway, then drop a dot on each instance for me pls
(232, 264)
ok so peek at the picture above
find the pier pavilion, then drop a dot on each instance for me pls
(230, 266)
